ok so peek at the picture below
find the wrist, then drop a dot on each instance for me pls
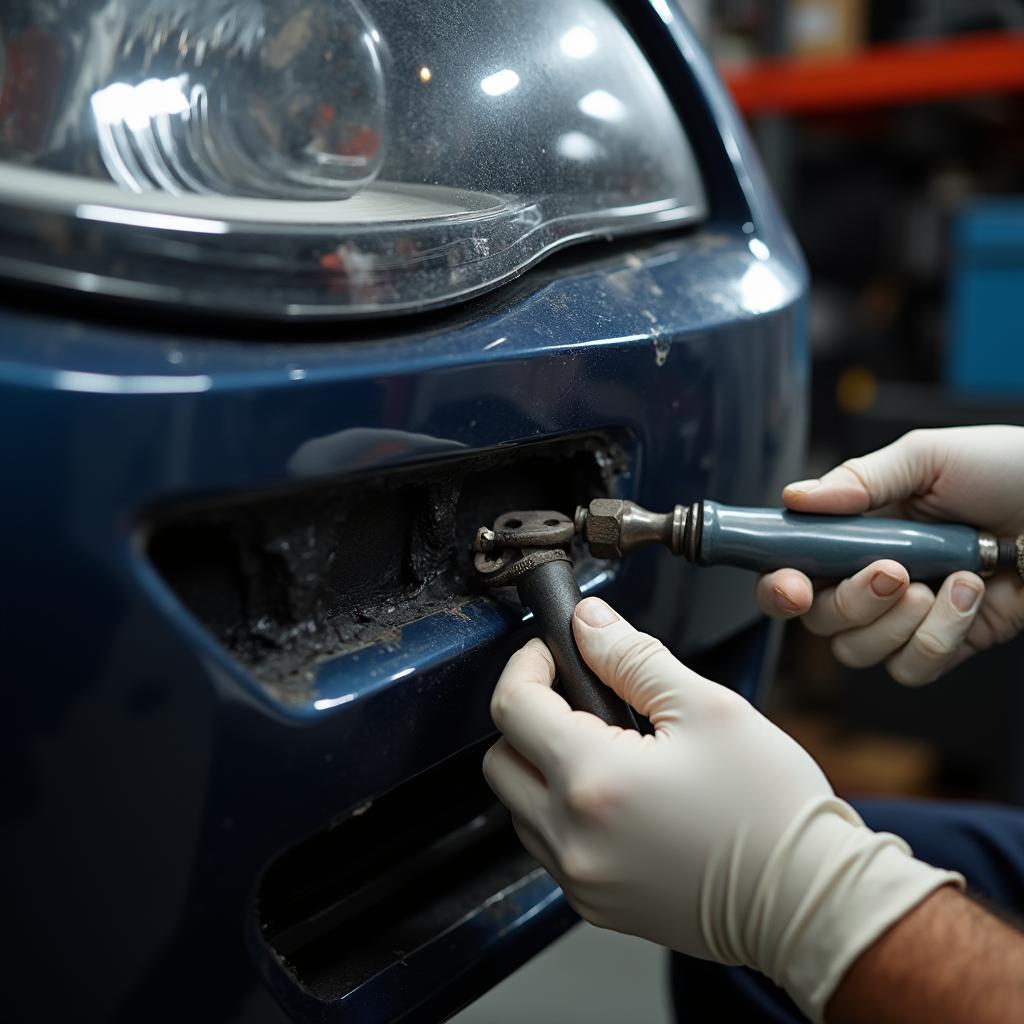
(830, 889)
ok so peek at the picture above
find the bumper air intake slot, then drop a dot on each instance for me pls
(395, 876)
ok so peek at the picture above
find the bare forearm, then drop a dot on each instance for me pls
(948, 961)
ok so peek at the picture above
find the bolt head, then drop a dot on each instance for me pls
(604, 527)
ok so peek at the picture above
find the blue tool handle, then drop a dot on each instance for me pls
(764, 539)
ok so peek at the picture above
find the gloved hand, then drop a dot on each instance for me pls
(972, 475)
(718, 836)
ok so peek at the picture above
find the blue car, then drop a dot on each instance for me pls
(297, 296)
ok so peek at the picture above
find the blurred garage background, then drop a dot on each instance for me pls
(894, 134)
(893, 131)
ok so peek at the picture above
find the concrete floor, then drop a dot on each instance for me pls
(588, 975)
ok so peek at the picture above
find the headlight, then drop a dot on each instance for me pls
(318, 157)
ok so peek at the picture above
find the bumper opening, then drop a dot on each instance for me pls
(288, 580)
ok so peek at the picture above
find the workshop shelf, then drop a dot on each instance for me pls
(882, 75)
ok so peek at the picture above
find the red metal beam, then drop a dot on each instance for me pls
(883, 75)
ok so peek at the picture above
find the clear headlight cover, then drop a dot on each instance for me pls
(317, 157)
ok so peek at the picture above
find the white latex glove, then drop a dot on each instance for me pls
(962, 475)
(718, 836)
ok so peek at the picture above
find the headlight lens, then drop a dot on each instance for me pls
(317, 157)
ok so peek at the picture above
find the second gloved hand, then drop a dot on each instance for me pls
(718, 836)
(960, 475)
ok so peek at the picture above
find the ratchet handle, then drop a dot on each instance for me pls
(765, 539)
(551, 592)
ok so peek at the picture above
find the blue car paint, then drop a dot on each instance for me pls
(149, 778)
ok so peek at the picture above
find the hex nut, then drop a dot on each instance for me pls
(604, 527)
